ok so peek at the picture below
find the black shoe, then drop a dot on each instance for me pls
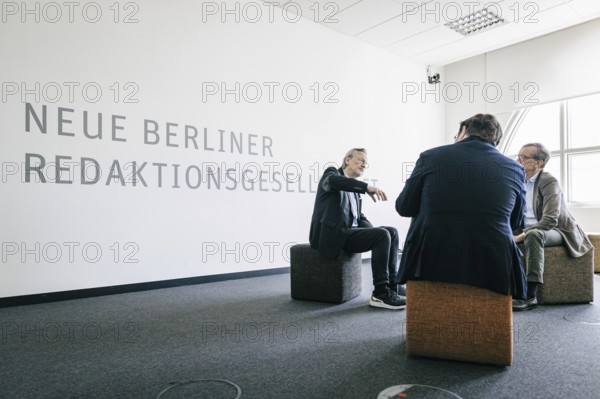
(399, 289)
(387, 300)
(521, 304)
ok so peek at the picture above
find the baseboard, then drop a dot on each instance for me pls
(122, 289)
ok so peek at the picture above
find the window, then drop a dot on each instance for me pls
(584, 122)
(540, 124)
(584, 186)
(570, 131)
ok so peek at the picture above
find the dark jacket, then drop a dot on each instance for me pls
(550, 209)
(465, 200)
(332, 218)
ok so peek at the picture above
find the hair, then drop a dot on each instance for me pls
(541, 153)
(485, 126)
(351, 153)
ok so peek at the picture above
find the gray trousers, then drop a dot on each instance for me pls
(535, 241)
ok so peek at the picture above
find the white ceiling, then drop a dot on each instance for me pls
(415, 29)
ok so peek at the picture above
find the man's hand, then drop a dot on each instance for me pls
(376, 194)
(519, 238)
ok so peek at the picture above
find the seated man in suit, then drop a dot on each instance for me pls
(547, 220)
(338, 223)
(465, 199)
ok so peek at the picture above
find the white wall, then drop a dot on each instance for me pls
(58, 237)
(556, 66)
(553, 67)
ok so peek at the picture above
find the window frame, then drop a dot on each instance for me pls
(564, 153)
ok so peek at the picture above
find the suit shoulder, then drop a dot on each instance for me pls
(500, 157)
(546, 179)
(439, 149)
(330, 171)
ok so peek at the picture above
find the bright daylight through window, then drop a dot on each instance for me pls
(572, 135)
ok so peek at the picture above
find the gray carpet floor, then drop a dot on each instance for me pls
(247, 338)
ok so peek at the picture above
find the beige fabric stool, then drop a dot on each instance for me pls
(566, 279)
(458, 322)
(595, 239)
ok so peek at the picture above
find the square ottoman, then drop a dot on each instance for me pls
(316, 278)
(458, 322)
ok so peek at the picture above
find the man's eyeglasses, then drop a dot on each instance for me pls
(363, 163)
(523, 158)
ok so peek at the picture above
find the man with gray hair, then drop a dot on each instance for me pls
(547, 221)
(338, 223)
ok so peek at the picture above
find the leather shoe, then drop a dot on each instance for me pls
(521, 304)
(399, 289)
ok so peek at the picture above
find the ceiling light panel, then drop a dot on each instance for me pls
(476, 22)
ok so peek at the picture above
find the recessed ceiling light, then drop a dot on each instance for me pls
(476, 22)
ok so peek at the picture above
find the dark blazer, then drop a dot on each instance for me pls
(465, 200)
(551, 210)
(332, 217)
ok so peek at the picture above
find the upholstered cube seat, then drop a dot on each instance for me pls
(458, 322)
(595, 239)
(566, 279)
(316, 278)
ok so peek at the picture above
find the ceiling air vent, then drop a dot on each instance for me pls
(476, 22)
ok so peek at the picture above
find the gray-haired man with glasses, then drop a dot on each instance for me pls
(338, 223)
(547, 220)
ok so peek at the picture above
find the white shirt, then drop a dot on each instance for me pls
(530, 218)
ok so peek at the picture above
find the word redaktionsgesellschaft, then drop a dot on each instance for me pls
(65, 169)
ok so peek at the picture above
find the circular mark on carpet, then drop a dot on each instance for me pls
(583, 319)
(416, 391)
(205, 388)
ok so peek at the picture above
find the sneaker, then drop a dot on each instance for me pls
(387, 300)
(521, 304)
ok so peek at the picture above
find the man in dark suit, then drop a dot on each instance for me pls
(547, 221)
(338, 223)
(465, 199)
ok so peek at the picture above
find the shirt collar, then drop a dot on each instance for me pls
(534, 177)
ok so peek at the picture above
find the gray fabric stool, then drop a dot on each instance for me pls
(316, 278)
(566, 279)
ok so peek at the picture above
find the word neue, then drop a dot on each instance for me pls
(69, 123)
